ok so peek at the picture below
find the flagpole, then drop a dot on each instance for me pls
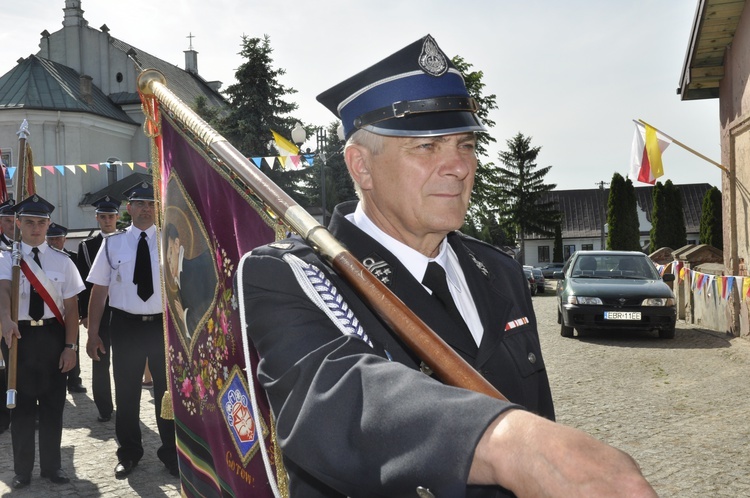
(718, 165)
(21, 172)
(426, 344)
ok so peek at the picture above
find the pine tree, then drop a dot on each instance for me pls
(257, 106)
(677, 232)
(521, 188)
(658, 218)
(622, 216)
(711, 227)
(557, 249)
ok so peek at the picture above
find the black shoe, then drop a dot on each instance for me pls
(21, 481)
(124, 467)
(77, 388)
(104, 418)
(173, 469)
(57, 476)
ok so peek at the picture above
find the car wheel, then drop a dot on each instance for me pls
(666, 333)
(564, 331)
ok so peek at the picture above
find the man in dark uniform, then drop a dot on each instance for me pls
(107, 214)
(126, 269)
(355, 413)
(7, 222)
(56, 236)
(47, 328)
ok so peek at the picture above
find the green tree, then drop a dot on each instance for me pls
(521, 189)
(711, 227)
(658, 236)
(557, 249)
(622, 216)
(677, 232)
(257, 106)
(486, 179)
(209, 113)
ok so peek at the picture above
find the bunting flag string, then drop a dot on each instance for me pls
(707, 284)
(287, 162)
(74, 168)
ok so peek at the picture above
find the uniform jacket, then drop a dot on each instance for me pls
(87, 250)
(364, 420)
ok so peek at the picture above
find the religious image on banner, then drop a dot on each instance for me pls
(189, 259)
(209, 220)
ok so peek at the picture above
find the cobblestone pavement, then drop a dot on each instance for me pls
(680, 407)
(88, 453)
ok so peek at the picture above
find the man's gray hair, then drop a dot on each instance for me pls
(370, 141)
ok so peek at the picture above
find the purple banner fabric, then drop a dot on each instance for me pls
(208, 223)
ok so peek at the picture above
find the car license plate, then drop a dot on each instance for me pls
(622, 315)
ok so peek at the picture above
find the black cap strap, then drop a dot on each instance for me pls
(404, 108)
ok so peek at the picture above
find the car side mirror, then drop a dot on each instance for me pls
(668, 277)
(558, 275)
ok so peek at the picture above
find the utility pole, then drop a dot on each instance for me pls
(602, 211)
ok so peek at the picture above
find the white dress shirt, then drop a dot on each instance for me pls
(416, 263)
(114, 265)
(58, 267)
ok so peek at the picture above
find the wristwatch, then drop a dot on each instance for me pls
(74, 347)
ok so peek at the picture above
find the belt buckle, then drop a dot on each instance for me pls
(36, 323)
(147, 318)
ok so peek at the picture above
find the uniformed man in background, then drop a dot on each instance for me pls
(127, 270)
(107, 214)
(46, 330)
(56, 237)
(7, 222)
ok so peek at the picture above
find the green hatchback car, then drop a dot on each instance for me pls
(614, 290)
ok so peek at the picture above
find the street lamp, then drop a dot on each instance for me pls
(299, 137)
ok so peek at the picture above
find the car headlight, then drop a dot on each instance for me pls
(658, 301)
(584, 300)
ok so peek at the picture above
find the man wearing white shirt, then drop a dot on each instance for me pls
(47, 331)
(126, 269)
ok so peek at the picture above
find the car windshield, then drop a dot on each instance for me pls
(614, 266)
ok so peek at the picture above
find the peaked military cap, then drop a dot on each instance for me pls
(56, 230)
(6, 208)
(107, 204)
(34, 206)
(415, 92)
(141, 192)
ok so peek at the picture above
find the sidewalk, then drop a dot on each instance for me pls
(88, 453)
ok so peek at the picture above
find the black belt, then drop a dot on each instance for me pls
(37, 323)
(140, 318)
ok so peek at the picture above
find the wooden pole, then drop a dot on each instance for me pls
(424, 342)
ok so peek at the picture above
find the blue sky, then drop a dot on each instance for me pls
(572, 75)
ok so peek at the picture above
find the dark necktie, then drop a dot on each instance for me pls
(435, 280)
(36, 303)
(142, 273)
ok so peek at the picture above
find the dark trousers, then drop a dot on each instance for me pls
(41, 388)
(134, 342)
(100, 381)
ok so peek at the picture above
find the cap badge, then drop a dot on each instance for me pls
(35, 198)
(432, 60)
(106, 198)
(144, 185)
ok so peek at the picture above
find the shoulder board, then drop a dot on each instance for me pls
(468, 240)
(119, 232)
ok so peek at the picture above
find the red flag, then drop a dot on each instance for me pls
(3, 185)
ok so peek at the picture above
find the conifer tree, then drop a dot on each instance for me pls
(622, 216)
(711, 227)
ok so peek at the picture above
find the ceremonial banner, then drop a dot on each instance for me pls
(209, 219)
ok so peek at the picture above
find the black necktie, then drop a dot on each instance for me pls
(435, 280)
(36, 303)
(142, 273)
